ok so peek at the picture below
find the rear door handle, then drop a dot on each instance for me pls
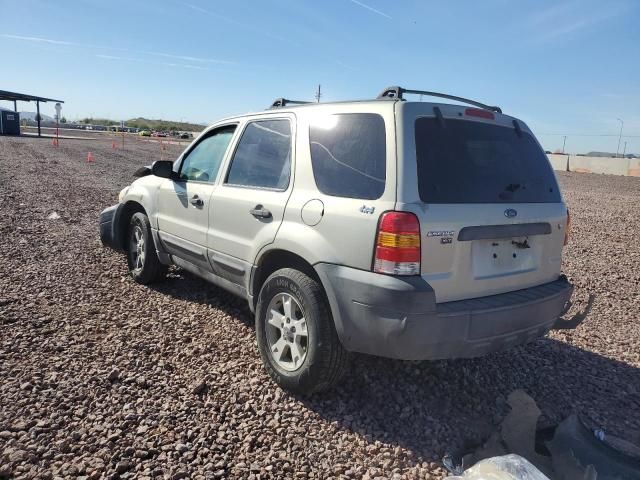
(196, 201)
(260, 212)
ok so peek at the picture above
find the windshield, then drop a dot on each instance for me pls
(465, 161)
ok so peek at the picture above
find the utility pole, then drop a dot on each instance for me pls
(318, 94)
(624, 152)
(564, 142)
(619, 137)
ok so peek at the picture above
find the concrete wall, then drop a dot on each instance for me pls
(634, 167)
(558, 162)
(607, 165)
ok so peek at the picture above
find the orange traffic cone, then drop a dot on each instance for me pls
(54, 142)
(90, 157)
(113, 144)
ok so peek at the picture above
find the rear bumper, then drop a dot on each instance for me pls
(398, 317)
(110, 227)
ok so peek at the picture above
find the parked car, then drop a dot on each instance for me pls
(185, 135)
(408, 230)
(144, 133)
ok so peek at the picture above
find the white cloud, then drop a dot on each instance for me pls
(37, 39)
(371, 9)
(563, 19)
(190, 59)
(111, 57)
(149, 62)
(231, 21)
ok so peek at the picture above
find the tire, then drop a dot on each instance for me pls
(307, 360)
(143, 262)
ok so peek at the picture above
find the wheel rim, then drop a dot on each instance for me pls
(286, 329)
(137, 248)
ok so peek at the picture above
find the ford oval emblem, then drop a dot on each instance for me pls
(510, 213)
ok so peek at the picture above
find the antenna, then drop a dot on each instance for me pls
(318, 94)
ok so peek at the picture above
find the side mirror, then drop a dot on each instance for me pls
(163, 169)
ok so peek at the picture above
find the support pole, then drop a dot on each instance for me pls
(15, 106)
(38, 115)
(619, 137)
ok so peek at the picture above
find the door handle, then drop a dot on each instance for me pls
(260, 212)
(196, 201)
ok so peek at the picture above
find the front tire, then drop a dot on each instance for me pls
(296, 336)
(144, 265)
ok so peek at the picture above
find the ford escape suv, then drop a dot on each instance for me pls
(409, 230)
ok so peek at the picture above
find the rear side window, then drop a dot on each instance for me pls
(348, 154)
(472, 162)
(263, 156)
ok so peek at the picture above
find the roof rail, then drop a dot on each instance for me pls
(283, 102)
(397, 92)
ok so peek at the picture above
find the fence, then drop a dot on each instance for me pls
(612, 166)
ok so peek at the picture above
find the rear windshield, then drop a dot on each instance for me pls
(472, 162)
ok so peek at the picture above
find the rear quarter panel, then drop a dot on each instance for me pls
(344, 235)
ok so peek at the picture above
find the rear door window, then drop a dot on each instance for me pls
(348, 154)
(263, 156)
(465, 161)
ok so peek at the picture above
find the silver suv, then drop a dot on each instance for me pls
(408, 230)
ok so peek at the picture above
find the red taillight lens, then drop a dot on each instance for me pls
(567, 229)
(478, 112)
(398, 244)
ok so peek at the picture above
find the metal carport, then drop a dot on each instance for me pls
(23, 97)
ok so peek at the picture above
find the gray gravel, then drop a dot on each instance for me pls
(102, 377)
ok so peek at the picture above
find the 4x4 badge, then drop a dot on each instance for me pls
(369, 210)
(510, 213)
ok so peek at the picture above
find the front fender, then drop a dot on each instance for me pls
(144, 191)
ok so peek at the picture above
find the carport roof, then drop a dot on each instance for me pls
(23, 97)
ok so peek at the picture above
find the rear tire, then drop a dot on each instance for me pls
(296, 335)
(142, 258)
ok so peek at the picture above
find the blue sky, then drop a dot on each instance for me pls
(564, 67)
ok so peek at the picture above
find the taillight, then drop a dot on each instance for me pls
(567, 229)
(398, 244)
(477, 112)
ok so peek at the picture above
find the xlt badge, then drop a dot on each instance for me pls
(446, 236)
(441, 233)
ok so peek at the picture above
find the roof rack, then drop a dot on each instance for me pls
(397, 92)
(283, 102)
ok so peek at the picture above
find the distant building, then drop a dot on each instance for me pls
(9, 122)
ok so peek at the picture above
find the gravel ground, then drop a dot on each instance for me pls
(102, 377)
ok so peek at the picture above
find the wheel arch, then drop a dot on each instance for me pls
(125, 212)
(273, 260)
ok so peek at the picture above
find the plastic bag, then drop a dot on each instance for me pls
(506, 467)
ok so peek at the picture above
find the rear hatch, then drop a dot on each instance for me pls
(492, 218)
